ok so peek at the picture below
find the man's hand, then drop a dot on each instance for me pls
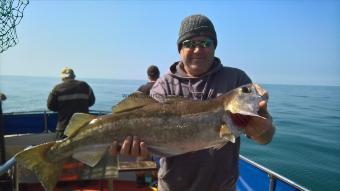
(260, 130)
(131, 146)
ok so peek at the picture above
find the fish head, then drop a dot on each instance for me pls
(245, 99)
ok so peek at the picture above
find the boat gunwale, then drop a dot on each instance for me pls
(273, 174)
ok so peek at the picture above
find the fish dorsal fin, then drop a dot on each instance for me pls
(133, 101)
(78, 121)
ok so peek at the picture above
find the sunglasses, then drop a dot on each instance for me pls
(201, 43)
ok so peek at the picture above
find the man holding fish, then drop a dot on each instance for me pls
(193, 120)
(201, 76)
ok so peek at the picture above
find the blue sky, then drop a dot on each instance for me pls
(276, 42)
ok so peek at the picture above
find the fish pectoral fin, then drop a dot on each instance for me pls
(230, 137)
(133, 101)
(226, 133)
(90, 158)
(78, 121)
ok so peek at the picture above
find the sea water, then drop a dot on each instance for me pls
(305, 148)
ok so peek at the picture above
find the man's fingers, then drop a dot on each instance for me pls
(263, 104)
(262, 92)
(263, 111)
(143, 150)
(135, 147)
(132, 146)
(126, 147)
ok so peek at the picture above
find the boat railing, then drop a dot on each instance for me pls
(48, 112)
(39, 121)
(273, 176)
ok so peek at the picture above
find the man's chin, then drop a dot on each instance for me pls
(196, 64)
(197, 71)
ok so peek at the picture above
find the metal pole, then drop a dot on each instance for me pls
(5, 181)
(272, 182)
(110, 184)
(2, 139)
(45, 122)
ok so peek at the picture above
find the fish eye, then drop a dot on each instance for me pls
(246, 90)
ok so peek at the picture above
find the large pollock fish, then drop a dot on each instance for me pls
(177, 126)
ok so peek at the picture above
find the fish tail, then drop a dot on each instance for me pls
(35, 160)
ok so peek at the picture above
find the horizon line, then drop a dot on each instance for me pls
(94, 78)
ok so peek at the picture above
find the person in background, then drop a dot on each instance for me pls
(153, 75)
(200, 75)
(69, 97)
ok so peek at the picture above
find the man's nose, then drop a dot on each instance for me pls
(198, 48)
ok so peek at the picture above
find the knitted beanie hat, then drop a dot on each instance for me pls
(196, 25)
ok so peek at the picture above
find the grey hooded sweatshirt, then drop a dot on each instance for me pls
(209, 169)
